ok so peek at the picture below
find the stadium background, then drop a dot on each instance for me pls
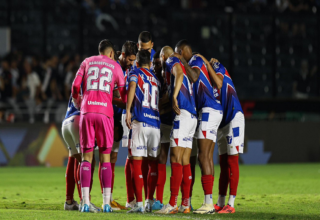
(271, 49)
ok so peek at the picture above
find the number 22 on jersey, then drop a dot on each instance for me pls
(98, 82)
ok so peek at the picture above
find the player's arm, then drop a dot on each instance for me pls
(192, 73)
(217, 79)
(178, 73)
(117, 99)
(76, 85)
(132, 91)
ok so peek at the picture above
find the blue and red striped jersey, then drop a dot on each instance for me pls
(227, 95)
(145, 103)
(202, 88)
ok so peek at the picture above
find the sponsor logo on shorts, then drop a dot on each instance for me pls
(242, 145)
(151, 116)
(187, 139)
(155, 148)
(149, 126)
(85, 168)
(213, 132)
(193, 116)
(104, 168)
(142, 148)
(98, 103)
(140, 176)
(125, 137)
(229, 139)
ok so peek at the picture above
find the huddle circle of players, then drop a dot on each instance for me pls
(153, 101)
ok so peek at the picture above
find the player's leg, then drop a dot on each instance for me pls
(153, 143)
(224, 168)
(87, 143)
(162, 175)
(177, 141)
(235, 146)
(209, 120)
(127, 170)
(162, 168)
(67, 128)
(193, 162)
(145, 171)
(104, 134)
(190, 124)
(186, 182)
(136, 151)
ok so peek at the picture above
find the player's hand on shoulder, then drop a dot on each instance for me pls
(203, 58)
(175, 106)
(213, 60)
(128, 119)
(176, 55)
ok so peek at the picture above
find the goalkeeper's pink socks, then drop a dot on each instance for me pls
(85, 179)
(106, 180)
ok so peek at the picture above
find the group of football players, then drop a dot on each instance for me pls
(151, 102)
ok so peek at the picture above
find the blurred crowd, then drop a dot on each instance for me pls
(36, 83)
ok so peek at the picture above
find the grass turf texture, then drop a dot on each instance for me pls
(265, 192)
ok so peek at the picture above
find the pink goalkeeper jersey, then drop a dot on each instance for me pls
(99, 76)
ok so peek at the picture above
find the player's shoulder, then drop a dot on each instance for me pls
(171, 61)
(196, 61)
(220, 69)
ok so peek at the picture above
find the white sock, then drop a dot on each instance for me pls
(111, 199)
(208, 199)
(106, 196)
(221, 200)
(85, 195)
(231, 200)
(140, 204)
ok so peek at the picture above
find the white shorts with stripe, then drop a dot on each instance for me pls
(70, 134)
(208, 123)
(184, 126)
(231, 136)
(144, 140)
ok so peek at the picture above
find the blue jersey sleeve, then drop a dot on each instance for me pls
(133, 76)
(219, 68)
(196, 62)
(171, 62)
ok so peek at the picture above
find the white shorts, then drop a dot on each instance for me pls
(194, 151)
(208, 123)
(144, 140)
(70, 133)
(231, 136)
(165, 131)
(115, 147)
(182, 132)
(126, 130)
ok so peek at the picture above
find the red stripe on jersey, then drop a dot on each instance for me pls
(140, 83)
(149, 75)
(227, 74)
(183, 69)
(205, 72)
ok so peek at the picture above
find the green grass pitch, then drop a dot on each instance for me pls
(289, 191)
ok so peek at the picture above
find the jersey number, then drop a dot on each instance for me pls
(154, 97)
(94, 82)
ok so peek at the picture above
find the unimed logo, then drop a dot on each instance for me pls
(98, 103)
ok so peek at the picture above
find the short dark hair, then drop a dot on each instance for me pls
(129, 48)
(105, 44)
(182, 43)
(143, 57)
(195, 53)
(156, 55)
(145, 37)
